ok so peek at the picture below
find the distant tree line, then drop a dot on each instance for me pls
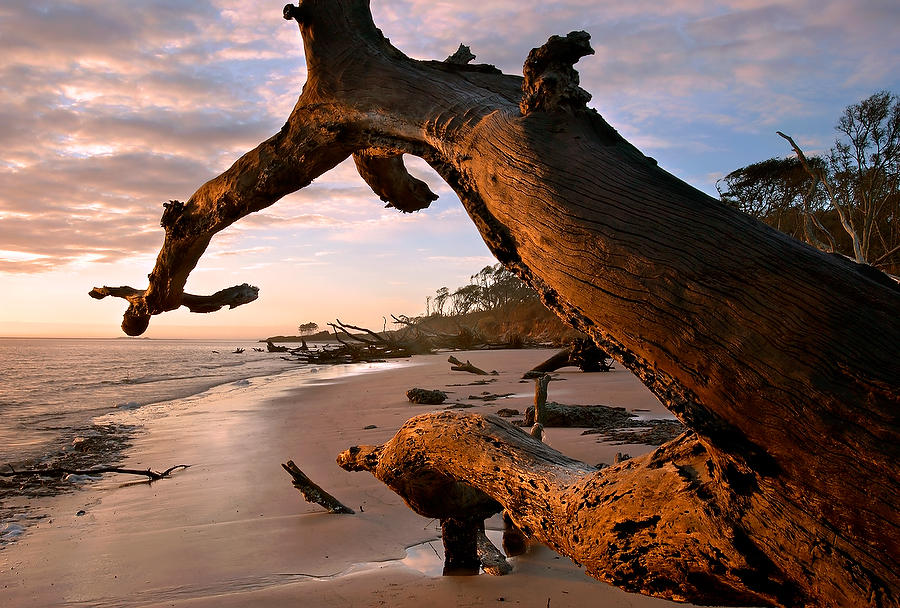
(307, 329)
(492, 288)
(845, 201)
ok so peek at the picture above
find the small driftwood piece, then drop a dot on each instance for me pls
(59, 471)
(486, 396)
(272, 348)
(312, 492)
(458, 366)
(423, 396)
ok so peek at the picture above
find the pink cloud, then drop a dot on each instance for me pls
(118, 107)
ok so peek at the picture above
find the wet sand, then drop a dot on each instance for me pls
(232, 531)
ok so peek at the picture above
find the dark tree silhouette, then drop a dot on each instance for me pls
(847, 201)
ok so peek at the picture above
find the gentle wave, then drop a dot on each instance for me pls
(51, 385)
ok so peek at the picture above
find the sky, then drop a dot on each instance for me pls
(110, 108)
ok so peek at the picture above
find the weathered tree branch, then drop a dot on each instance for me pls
(690, 551)
(312, 492)
(458, 366)
(846, 220)
(231, 297)
(781, 360)
(387, 176)
(582, 353)
(58, 471)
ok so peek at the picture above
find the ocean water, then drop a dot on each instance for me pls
(50, 386)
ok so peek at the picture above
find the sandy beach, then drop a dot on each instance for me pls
(232, 531)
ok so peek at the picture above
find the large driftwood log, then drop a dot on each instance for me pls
(782, 360)
(587, 416)
(611, 520)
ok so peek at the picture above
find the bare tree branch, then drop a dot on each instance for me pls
(58, 471)
(846, 220)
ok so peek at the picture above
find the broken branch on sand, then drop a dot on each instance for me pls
(59, 471)
(458, 366)
(312, 492)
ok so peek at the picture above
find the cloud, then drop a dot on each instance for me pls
(117, 107)
(107, 109)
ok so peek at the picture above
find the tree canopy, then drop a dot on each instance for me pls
(845, 201)
(306, 329)
(491, 288)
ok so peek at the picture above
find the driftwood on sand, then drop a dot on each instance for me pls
(357, 345)
(539, 410)
(781, 360)
(312, 492)
(586, 416)
(582, 353)
(272, 348)
(60, 471)
(424, 396)
(458, 366)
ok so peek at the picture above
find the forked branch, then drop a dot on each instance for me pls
(232, 297)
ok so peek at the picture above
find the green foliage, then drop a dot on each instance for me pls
(492, 288)
(845, 201)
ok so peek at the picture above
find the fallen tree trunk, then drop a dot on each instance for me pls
(587, 416)
(363, 346)
(782, 360)
(551, 364)
(690, 550)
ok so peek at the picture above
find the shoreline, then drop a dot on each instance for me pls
(231, 530)
(44, 410)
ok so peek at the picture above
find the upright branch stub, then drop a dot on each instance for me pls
(171, 212)
(551, 82)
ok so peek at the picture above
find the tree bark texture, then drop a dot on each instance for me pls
(783, 361)
(653, 525)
